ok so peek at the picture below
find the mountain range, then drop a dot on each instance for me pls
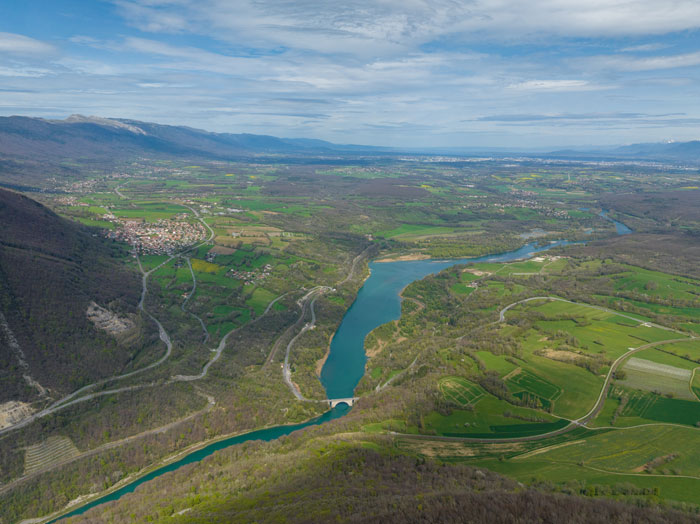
(25, 139)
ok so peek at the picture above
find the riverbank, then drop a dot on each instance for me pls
(189, 455)
(322, 361)
(403, 258)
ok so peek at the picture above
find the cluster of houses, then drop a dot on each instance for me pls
(531, 204)
(252, 277)
(163, 237)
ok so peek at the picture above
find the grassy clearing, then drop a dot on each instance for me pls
(461, 289)
(491, 418)
(150, 261)
(260, 299)
(496, 363)
(202, 266)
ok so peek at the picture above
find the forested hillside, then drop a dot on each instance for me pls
(51, 269)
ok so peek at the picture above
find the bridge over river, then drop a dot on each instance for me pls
(333, 402)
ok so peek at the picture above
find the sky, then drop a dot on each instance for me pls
(412, 73)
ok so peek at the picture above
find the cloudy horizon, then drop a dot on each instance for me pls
(416, 73)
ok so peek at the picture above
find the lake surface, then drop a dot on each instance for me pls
(377, 302)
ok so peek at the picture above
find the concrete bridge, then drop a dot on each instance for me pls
(333, 402)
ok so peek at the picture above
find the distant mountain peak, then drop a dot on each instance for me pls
(101, 121)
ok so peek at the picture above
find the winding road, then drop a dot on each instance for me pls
(286, 371)
(189, 296)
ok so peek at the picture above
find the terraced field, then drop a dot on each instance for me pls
(48, 453)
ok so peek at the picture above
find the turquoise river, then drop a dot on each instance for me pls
(377, 302)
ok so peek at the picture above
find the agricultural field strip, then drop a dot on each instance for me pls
(48, 452)
(654, 376)
(600, 470)
(692, 379)
(211, 402)
(639, 364)
(529, 381)
(456, 390)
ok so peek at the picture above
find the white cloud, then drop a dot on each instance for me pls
(26, 72)
(627, 63)
(23, 45)
(643, 48)
(374, 26)
(555, 85)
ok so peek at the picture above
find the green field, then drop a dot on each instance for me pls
(652, 457)
(522, 380)
(260, 299)
(491, 418)
(414, 231)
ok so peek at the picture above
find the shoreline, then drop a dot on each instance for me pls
(403, 258)
(322, 361)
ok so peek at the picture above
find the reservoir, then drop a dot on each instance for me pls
(377, 302)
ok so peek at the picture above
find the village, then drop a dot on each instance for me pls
(163, 237)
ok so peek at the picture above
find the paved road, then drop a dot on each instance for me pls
(286, 371)
(353, 266)
(189, 296)
(118, 192)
